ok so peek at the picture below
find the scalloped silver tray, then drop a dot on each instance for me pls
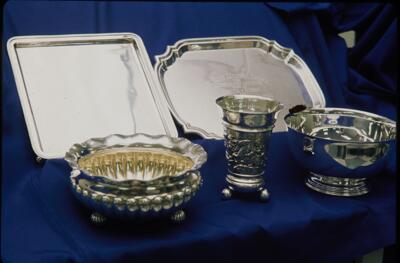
(75, 87)
(194, 72)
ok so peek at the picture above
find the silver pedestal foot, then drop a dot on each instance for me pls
(264, 195)
(178, 217)
(226, 193)
(39, 160)
(337, 186)
(97, 218)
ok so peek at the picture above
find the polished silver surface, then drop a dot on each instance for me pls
(340, 148)
(248, 122)
(74, 87)
(137, 175)
(195, 72)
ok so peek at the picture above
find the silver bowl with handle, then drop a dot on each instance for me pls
(340, 148)
(135, 176)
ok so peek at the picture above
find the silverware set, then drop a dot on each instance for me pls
(253, 84)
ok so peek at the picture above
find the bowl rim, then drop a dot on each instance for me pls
(194, 152)
(342, 111)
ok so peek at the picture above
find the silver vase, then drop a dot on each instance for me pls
(248, 122)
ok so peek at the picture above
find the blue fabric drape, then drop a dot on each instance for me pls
(42, 222)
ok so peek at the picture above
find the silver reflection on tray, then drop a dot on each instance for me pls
(248, 123)
(340, 148)
(208, 68)
(136, 176)
(101, 83)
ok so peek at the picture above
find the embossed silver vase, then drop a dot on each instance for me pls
(248, 122)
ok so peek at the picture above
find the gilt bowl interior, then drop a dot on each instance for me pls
(135, 158)
(135, 163)
(342, 125)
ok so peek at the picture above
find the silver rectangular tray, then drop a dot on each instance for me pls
(76, 87)
(194, 72)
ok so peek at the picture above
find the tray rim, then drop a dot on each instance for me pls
(132, 38)
(173, 51)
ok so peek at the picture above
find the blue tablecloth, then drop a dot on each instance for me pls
(42, 222)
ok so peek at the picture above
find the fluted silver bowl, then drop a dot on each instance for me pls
(340, 148)
(136, 175)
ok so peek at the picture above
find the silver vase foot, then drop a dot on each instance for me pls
(97, 218)
(178, 216)
(39, 160)
(226, 193)
(264, 195)
(337, 186)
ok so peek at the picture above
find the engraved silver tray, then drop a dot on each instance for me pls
(74, 87)
(195, 72)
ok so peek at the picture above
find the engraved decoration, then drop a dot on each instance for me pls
(245, 152)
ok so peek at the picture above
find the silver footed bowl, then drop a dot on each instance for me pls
(340, 148)
(136, 175)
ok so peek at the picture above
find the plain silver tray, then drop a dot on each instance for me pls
(194, 72)
(75, 87)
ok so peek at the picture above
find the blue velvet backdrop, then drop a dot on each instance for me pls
(42, 222)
